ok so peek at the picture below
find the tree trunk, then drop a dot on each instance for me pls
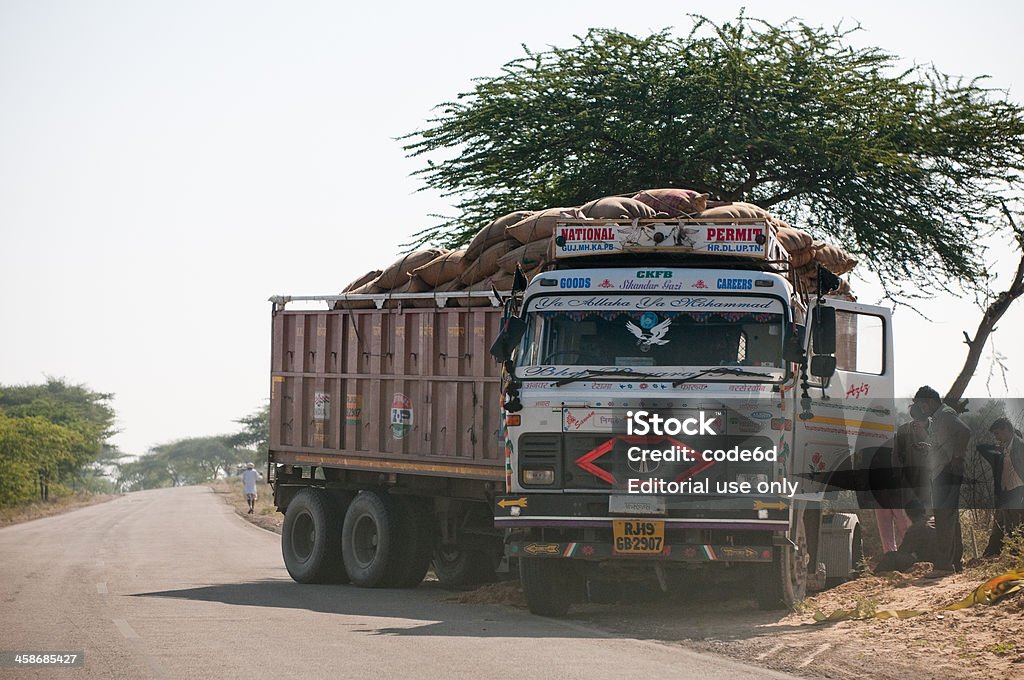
(993, 313)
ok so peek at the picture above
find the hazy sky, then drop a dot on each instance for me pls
(167, 166)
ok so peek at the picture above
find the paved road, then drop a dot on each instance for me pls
(172, 584)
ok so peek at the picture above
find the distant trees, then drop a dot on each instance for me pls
(52, 438)
(199, 459)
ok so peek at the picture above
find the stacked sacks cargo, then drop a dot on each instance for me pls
(524, 239)
(485, 250)
(805, 254)
(395, 278)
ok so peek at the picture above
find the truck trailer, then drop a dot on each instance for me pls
(663, 397)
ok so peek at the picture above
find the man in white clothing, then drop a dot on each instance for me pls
(249, 479)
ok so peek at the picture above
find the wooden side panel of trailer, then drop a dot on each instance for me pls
(391, 390)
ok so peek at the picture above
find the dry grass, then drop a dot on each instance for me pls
(56, 506)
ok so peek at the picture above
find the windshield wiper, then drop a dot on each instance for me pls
(719, 370)
(591, 373)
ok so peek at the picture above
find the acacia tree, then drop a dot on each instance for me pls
(255, 433)
(904, 167)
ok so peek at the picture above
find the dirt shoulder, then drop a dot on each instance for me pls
(265, 516)
(39, 509)
(980, 642)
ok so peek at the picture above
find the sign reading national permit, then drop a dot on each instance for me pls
(749, 238)
(401, 416)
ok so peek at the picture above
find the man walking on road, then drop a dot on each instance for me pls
(946, 449)
(249, 479)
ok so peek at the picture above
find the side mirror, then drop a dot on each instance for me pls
(512, 329)
(793, 344)
(823, 327)
(823, 366)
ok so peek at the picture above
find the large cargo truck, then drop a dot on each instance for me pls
(397, 438)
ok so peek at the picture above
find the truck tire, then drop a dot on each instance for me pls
(783, 584)
(550, 584)
(370, 540)
(457, 567)
(311, 538)
(416, 545)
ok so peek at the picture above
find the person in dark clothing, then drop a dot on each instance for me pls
(918, 544)
(1007, 461)
(910, 452)
(946, 450)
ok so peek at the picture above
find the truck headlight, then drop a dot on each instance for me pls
(538, 476)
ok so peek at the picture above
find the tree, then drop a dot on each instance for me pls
(180, 463)
(32, 449)
(255, 433)
(57, 431)
(997, 306)
(146, 472)
(906, 168)
(75, 407)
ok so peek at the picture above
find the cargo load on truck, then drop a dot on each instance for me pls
(676, 222)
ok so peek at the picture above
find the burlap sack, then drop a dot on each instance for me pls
(835, 259)
(530, 256)
(501, 281)
(443, 269)
(370, 288)
(364, 279)
(487, 263)
(808, 277)
(674, 202)
(793, 240)
(736, 210)
(801, 258)
(493, 233)
(397, 273)
(541, 225)
(414, 285)
(617, 208)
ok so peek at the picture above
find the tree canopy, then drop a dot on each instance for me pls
(905, 167)
(51, 434)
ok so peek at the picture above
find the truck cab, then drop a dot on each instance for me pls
(594, 491)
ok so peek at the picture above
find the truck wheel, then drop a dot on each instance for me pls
(458, 567)
(370, 537)
(416, 545)
(310, 538)
(784, 583)
(549, 584)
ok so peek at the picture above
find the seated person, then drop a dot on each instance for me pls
(918, 543)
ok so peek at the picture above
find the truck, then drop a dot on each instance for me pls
(664, 397)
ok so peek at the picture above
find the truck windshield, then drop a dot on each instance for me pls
(623, 330)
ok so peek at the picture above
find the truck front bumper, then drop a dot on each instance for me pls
(590, 511)
(679, 552)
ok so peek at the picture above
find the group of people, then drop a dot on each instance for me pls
(930, 452)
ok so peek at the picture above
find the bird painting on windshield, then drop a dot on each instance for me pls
(656, 336)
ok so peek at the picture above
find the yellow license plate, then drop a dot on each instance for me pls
(638, 537)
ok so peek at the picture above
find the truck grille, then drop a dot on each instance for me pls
(598, 461)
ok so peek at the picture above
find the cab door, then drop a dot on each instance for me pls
(851, 413)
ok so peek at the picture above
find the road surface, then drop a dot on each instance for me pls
(172, 584)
